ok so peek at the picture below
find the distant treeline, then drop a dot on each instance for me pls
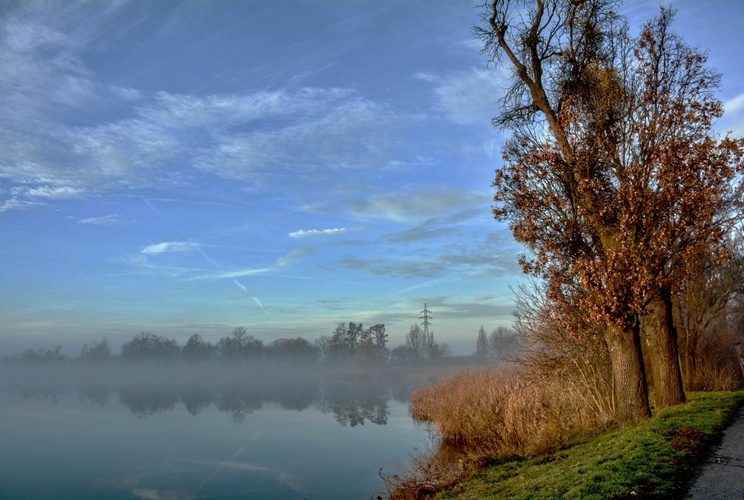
(348, 343)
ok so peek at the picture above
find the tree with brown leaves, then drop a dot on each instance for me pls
(613, 177)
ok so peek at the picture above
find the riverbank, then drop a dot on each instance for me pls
(656, 459)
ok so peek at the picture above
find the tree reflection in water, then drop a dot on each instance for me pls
(352, 404)
(295, 396)
(195, 399)
(145, 402)
(240, 401)
(41, 391)
(97, 394)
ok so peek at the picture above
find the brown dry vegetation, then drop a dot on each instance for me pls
(502, 415)
(492, 414)
(559, 390)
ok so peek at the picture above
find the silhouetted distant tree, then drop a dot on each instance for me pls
(502, 342)
(147, 346)
(419, 346)
(352, 341)
(293, 350)
(403, 355)
(343, 342)
(239, 346)
(437, 350)
(481, 344)
(41, 355)
(197, 348)
(98, 352)
(372, 346)
(417, 343)
(422, 345)
(323, 346)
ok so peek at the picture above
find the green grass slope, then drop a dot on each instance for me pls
(655, 459)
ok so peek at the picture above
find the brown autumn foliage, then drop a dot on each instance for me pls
(618, 187)
(613, 177)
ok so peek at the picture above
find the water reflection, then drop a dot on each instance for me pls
(41, 391)
(296, 396)
(349, 403)
(353, 404)
(239, 402)
(195, 399)
(96, 394)
(251, 434)
(147, 402)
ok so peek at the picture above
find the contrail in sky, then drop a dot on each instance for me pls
(147, 202)
(234, 280)
(208, 258)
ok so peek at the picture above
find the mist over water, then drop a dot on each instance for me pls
(205, 430)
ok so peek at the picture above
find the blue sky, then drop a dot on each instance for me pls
(186, 167)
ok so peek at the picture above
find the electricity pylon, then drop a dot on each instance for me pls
(426, 316)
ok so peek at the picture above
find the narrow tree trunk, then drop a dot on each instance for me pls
(629, 377)
(661, 341)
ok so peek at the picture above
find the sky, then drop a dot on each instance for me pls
(184, 167)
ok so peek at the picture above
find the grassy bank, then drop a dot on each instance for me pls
(654, 459)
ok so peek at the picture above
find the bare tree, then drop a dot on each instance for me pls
(502, 342)
(613, 178)
(481, 344)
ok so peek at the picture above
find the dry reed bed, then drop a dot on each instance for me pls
(490, 413)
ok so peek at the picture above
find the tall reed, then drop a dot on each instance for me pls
(502, 415)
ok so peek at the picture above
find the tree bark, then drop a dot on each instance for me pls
(629, 377)
(661, 341)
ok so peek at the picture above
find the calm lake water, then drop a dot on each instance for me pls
(280, 440)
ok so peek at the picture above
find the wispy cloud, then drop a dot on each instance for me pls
(735, 104)
(467, 97)
(733, 119)
(54, 193)
(231, 274)
(293, 257)
(328, 130)
(170, 246)
(438, 255)
(137, 260)
(302, 233)
(408, 204)
(16, 204)
(138, 136)
(307, 129)
(104, 220)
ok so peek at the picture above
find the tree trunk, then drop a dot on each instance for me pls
(661, 341)
(629, 377)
